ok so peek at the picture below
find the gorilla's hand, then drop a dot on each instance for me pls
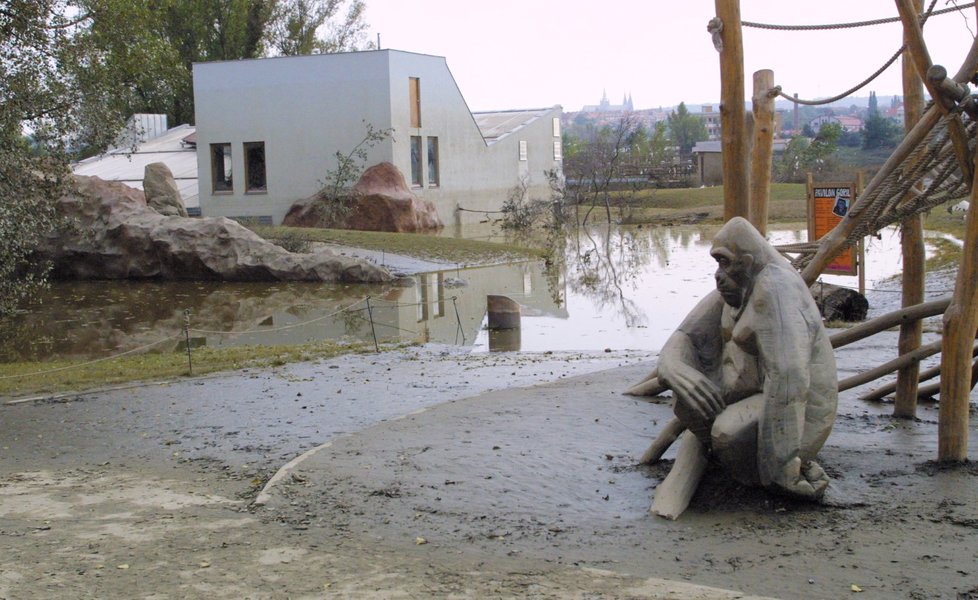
(695, 392)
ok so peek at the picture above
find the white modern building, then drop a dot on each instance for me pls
(268, 131)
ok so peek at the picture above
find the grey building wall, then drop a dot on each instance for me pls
(307, 108)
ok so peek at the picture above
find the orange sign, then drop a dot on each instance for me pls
(829, 203)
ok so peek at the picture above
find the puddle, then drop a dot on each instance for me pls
(616, 289)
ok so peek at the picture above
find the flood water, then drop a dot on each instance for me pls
(614, 288)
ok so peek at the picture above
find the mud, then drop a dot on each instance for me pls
(446, 476)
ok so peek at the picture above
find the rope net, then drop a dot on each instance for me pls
(932, 163)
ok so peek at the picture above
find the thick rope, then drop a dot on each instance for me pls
(849, 25)
(923, 19)
(851, 90)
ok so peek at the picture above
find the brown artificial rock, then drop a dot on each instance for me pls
(382, 201)
(117, 236)
(162, 193)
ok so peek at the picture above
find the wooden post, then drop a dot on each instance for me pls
(733, 134)
(912, 248)
(959, 330)
(960, 321)
(762, 150)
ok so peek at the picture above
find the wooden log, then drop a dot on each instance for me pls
(647, 387)
(736, 192)
(890, 366)
(762, 150)
(838, 303)
(926, 375)
(677, 489)
(960, 320)
(912, 251)
(666, 437)
(933, 389)
(890, 319)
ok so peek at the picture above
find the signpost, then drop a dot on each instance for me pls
(828, 203)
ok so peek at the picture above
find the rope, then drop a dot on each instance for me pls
(851, 90)
(923, 19)
(850, 25)
(282, 328)
(92, 362)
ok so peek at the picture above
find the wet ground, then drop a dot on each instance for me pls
(494, 489)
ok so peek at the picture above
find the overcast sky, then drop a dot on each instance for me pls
(535, 53)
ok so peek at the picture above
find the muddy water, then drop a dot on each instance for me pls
(612, 288)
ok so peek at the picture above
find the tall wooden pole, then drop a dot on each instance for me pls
(762, 150)
(960, 321)
(733, 128)
(912, 247)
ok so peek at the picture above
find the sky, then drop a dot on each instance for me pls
(508, 54)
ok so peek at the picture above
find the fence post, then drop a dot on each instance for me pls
(459, 320)
(373, 331)
(186, 336)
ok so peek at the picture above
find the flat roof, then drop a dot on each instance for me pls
(498, 124)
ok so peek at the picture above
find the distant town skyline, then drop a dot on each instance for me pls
(536, 53)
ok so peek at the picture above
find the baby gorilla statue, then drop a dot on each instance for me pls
(753, 376)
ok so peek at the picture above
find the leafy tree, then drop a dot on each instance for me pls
(298, 26)
(685, 129)
(878, 131)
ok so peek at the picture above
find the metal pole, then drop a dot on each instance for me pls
(458, 319)
(370, 314)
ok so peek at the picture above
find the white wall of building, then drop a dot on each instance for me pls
(307, 108)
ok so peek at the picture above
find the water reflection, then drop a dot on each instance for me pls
(621, 288)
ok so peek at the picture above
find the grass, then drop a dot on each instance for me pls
(787, 204)
(22, 378)
(426, 247)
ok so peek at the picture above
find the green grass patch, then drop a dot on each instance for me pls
(24, 378)
(417, 245)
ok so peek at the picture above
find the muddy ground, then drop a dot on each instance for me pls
(451, 475)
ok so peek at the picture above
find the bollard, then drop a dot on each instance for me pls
(504, 312)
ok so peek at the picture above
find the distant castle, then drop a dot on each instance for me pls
(605, 106)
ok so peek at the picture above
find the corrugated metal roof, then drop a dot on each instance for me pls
(498, 124)
(129, 167)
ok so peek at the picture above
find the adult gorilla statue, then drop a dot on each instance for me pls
(753, 375)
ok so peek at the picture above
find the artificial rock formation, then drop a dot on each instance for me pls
(116, 235)
(382, 201)
(162, 193)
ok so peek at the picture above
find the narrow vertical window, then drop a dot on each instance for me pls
(558, 155)
(556, 126)
(522, 149)
(415, 160)
(254, 153)
(414, 87)
(221, 168)
(433, 161)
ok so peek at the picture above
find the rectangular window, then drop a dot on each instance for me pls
(556, 126)
(432, 161)
(254, 153)
(221, 168)
(415, 160)
(522, 149)
(557, 152)
(414, 89)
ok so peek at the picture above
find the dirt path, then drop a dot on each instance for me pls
(493, 490)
